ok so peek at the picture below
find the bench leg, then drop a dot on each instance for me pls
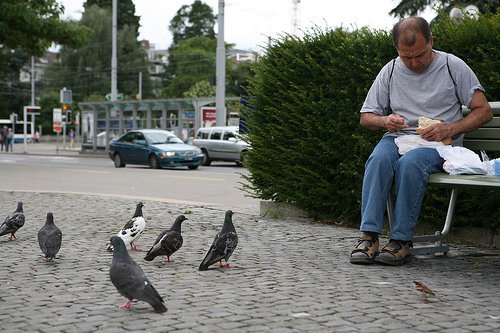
(437, 238)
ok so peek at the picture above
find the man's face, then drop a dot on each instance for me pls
(418, 56)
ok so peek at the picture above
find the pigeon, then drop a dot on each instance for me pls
(49, 238)
(13, 222)
(168, 242)
(132, 230)
(129, 278)
(223, 245)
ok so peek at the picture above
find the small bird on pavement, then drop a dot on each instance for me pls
(168, 241)
(13, 222)
(132, 230)
(424, 289)
(49, 238)
(129, 278)
(223, 245)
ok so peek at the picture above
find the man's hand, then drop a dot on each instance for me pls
(437, 132)
(395, 123)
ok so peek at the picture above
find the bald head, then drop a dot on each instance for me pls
(406, 30)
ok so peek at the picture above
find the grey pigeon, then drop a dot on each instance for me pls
(132, 230)
(223, 245)
(129, 279)
(167, 242)
(49, 238)
(13, 222)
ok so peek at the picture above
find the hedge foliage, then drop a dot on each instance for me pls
(307, 145)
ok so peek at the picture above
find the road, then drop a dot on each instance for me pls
(217, 185)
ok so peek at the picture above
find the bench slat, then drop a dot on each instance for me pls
(484, 133)
(486, 145)
(454, 181)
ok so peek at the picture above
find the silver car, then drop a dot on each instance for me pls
(221, 143)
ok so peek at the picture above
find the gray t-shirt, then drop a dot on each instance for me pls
(431, 94)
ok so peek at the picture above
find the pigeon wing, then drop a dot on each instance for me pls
(12, 223)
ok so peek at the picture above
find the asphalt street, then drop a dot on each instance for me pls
(291, 276)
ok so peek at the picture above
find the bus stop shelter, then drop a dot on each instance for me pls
(103, 121)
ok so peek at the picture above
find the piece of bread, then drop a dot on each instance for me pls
(424, 122)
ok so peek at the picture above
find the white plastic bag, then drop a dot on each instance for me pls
(408, 142)
(460, 160)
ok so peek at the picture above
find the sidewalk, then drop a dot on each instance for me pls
(292, 276)
(53, 148)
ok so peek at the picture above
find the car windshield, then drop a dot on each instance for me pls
(159, 138)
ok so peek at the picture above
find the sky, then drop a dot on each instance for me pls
(250, 24)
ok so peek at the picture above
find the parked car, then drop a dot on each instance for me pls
(156, 148)
(222, 143)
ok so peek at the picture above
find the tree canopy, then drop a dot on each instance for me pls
(125, 12)
(87, 70)
(193, 21)
(414, 7)
(35, 25)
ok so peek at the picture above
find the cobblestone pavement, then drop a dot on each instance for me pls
(291, 276)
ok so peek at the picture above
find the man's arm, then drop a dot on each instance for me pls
(373, 122)
(480, 114)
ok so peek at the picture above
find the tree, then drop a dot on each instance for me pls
(125, 12)
(191, 61)
(193, 21)
(87, 70)
(414, 7)
(35, 25)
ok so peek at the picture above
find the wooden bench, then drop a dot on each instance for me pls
(486, 138)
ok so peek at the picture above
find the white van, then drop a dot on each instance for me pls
(221, 143)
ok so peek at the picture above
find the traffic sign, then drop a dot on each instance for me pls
(66, 96)
(57, 120)
(119, 97)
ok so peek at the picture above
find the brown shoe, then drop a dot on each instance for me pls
(366, 250)
(395, 253)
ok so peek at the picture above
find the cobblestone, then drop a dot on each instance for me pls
(291, 276)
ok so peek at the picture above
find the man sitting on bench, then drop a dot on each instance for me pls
(420, 82)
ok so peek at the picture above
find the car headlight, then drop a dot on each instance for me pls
(198, 151)
(169, 153)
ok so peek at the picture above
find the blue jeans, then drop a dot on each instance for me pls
(409, 173)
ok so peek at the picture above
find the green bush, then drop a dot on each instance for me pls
(307, 145)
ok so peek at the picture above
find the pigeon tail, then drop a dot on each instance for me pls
(159, 307)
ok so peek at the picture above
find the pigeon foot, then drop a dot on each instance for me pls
(12, 237)
(133, 247)
(127, 305)
(226, 265)
(168, 260)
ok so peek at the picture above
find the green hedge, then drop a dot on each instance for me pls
(307, 145)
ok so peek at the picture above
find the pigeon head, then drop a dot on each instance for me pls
(178, 222)
(50, 218)
(138, 209)
(228, 222)
(118, 244)
(19, 206)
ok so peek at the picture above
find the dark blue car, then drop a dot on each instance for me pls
(156, 148)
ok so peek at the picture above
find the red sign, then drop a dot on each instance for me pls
(209, 116)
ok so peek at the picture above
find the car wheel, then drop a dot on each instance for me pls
(193, 167)
(118, 161)
(154, 162)
(206, 159)
(241, 161)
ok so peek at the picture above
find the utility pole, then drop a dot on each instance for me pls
(114, 92)
(220, 69)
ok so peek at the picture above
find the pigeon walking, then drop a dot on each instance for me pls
(223, 245)
(13, 222)
(130, 280)
(132, 230)
(167, 242)
(49, 238)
